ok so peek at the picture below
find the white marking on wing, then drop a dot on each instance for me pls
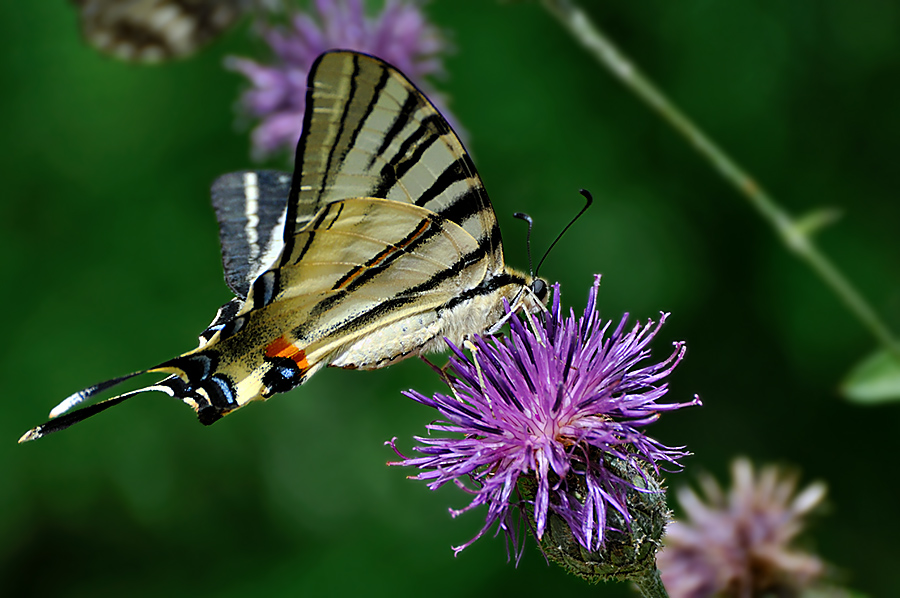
(251, 209)
(273, 247)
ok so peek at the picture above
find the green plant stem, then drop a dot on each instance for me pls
(650, 585)
(792, 232)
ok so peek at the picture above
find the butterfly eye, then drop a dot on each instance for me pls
(539, 288)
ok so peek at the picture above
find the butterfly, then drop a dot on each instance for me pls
(156, 30)
(380, 245)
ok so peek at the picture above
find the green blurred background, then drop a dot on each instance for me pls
(110, 258)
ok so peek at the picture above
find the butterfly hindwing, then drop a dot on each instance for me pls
(250, 208)
(365, 259)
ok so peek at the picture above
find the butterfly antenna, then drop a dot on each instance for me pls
(589, 199)
(527, 218)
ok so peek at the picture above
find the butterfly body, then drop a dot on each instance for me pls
(382, 244)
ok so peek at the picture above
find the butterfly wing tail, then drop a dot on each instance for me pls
(197, 380)
(62, 416)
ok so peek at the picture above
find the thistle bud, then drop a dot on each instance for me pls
(628, 550)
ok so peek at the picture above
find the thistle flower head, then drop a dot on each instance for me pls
(739, 544)
(547, 420)
(400, 35)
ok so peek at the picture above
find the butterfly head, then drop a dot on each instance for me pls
(532, 296)
(526, 294)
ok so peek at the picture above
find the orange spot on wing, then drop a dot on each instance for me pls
(281, 347)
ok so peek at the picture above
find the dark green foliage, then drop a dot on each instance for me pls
(110, 259)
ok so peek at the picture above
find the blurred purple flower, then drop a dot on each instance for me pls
(400, 35)
(552, 403)
(739, 544)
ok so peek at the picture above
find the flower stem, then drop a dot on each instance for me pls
(794, 233)
(650, 585)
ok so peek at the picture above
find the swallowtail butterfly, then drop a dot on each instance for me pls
(381, 244)
(156, 30)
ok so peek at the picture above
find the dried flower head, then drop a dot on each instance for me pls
(547, 420)
(400, 35)
(739, 544)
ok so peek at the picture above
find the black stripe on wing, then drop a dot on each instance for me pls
(406, 157)
(406, 111)
(344, 122)
(465, 205)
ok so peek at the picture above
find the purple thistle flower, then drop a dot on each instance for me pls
(400, 35)
(549, 420)
(739, 544)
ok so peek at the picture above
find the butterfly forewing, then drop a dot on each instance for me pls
(369, 132)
